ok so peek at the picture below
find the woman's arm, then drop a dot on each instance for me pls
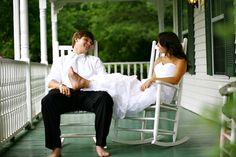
(148, 83)
(181, 67)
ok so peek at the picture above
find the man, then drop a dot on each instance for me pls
(62, 98)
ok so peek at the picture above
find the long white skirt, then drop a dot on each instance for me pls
(126, 94)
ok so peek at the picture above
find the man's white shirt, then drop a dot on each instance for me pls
(85, 65)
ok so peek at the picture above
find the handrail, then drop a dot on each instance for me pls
(16, 112)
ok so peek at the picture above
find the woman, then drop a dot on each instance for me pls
(129, 94)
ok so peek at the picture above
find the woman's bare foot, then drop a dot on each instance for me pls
(55, 153)
(101, 152)
(76, 80)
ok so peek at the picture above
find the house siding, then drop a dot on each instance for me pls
(201, 91)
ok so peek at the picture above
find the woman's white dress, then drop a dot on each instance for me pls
(125, 90)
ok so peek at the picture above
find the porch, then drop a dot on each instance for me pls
(22, 87)
(203, 142)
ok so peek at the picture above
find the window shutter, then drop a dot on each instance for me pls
(180, 20)
(208, 37)
(191, 46)
(229, 38)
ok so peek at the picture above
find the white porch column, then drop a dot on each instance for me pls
(54, 31)
(161, 14)
(24, 30)
(16, 20)
(95, 48)
(175, 17)
(43, 31)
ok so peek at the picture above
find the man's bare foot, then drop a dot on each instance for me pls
(55, 153)
(76, 80)
(101, 152)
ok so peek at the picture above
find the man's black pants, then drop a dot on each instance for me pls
(54, 104)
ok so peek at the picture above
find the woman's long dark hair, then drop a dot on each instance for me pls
(171, 42)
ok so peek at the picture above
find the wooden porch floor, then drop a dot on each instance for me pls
(203, 142)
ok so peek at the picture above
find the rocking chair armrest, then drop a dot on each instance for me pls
(224, 89)
(167, 84)
(231, 89)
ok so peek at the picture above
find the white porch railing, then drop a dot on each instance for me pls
(16, 110)
(17, 105)
(128, 68)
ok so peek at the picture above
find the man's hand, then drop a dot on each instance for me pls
(64, 90)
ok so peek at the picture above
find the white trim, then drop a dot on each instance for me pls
(217, 18)
(54, 31)
(24, 30)
(16, 20)
(43, 31)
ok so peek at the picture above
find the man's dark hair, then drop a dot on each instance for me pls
(80, 34)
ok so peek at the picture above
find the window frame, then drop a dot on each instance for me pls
(227, 39)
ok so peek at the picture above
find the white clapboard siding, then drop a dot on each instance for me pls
(201, 91)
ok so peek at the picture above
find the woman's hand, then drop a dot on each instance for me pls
(146, 84)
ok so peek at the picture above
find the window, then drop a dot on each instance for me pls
(220, 37)
(184, 20)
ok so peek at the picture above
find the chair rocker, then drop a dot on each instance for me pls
(157, 124)
(86, 121)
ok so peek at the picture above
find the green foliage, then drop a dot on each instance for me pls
(34, 31)
(6, 30)
(6, 33)
(215, 115)
(229, 108)
(124, 30)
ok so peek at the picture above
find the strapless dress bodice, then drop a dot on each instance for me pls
(165, 70)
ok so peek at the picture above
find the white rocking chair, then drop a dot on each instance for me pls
(86, 118)
(228, 128)
(150, 120)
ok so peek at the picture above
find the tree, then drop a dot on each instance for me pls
(6, 33)
(124, 30)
